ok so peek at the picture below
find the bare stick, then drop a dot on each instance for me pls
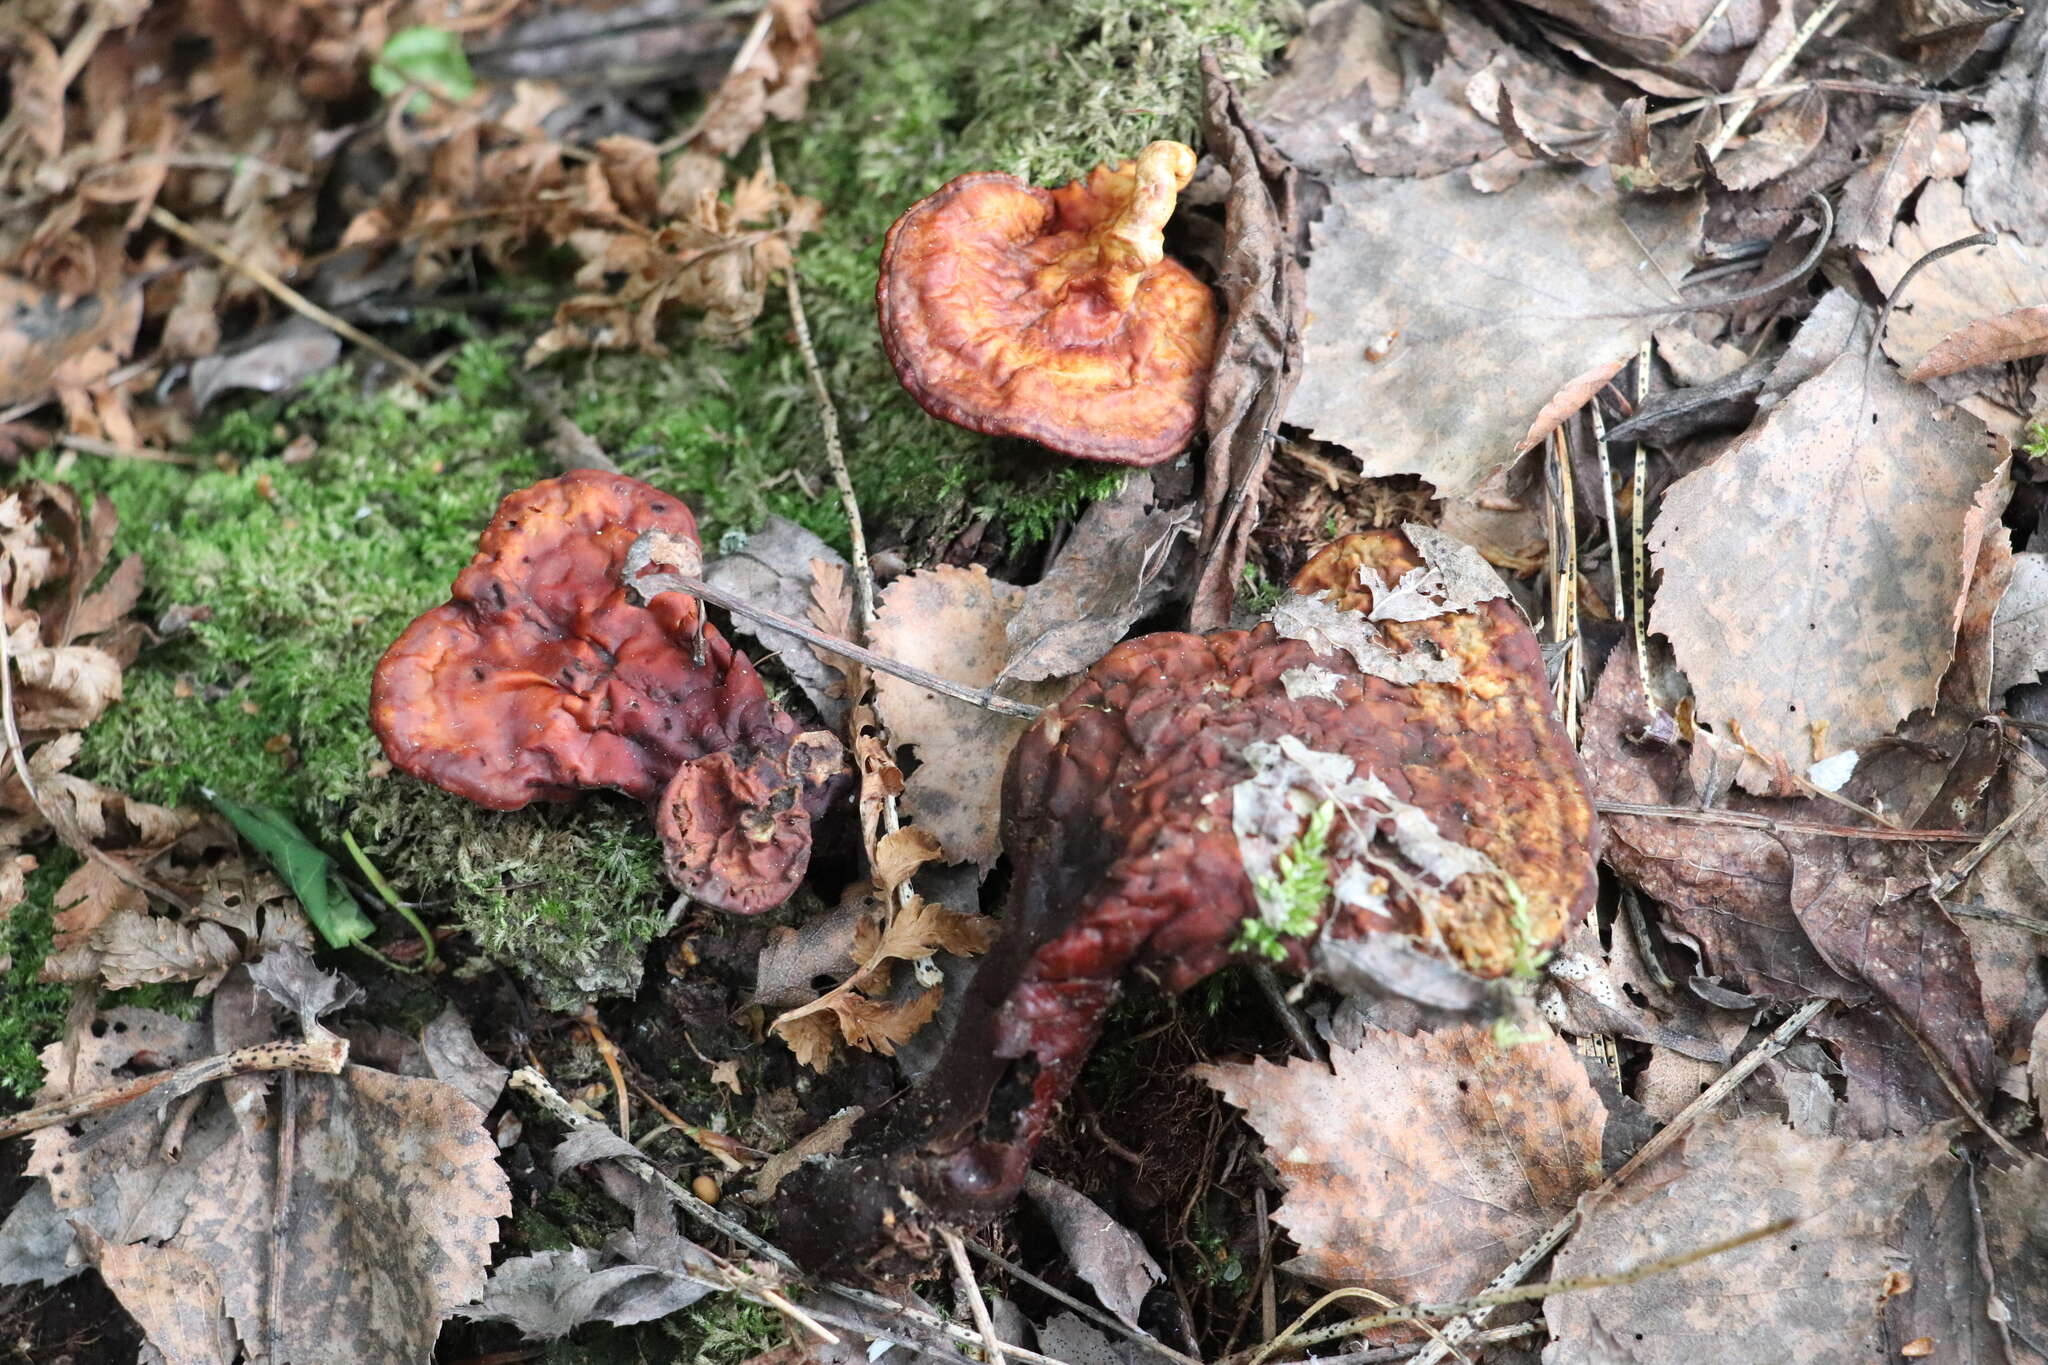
(1088, 1311)
(653, 585)
(1681, 1123)
(323, 1055)
(1770, 73)
(1607, 495)
(730, 1277)
(1891, 300)
(530, 1082)
(90, 445)
(991, 1344)
(1639, 589)
(1747, 820)
(292, 298)
(1965, 865)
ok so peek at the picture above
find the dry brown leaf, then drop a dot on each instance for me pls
(1813, 573)
(2007, 150)
(66, 687)
(2019, 629)
(772, 79)
(1651, 32)
(1872, 197)
(1416, 286)
(1810, 1295)
(1426, 1163)
(900, 853)
(952, 622)
(1956, 291)
(1110, 1257)
(1110, 571)
(174, 1296)
(855, 1010)
(777, 568)
(1988, 341)
(1777, 144)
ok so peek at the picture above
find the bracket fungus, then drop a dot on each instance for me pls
(1389, 774)
(545, 675)
(1054, 315)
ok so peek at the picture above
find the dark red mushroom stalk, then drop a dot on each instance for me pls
(545, 676)
(1326, 778)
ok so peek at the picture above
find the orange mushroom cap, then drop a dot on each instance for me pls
(1054, 315)
(543, 677)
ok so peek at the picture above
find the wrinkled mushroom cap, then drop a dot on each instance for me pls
(1053, 315)
(543, 677)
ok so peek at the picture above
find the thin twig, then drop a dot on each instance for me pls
(1086, 1310)
(1826, 213)
(749, 47)
(1959, 872)
(608, 1052)
(652, 585)
(991, 1344)
(92, 445)
(1290, 1017)
(1639, 588)
(1492, 1299)
(1607, 497)
(1891, 300)
(1719, 142)
(324, 1055)
(1681, 1123)
(1382, 1355)
(529, 1081)
(1748, 820)
(292, 298)
(1698, 35)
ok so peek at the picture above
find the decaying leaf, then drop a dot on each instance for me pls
(1109, 1256)
(709, 255)
(2020, 627)
(952, 622)
(857, 1010)
(1415, 286)
(393, 1204)
(1810, 1295)
(771, 78)
(1959, 291)
(776, 569)
(1872, 197)
(551, 1293)
(1813, 573)
(1426, 1162)
(1109, 573)
(2007, 151)
(2016, 335)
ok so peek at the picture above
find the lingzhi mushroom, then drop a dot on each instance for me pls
(1054, 315)
(544, 676)
(1378, 766)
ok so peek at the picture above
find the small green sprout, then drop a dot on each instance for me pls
(1256, 592)
(2036, 443)
(1292, 898)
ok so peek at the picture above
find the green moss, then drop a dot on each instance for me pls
(303, 572)
(31, 1012)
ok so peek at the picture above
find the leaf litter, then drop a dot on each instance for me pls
(1836, 616)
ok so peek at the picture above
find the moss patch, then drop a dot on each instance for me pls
(304, 571)
(34, 1012)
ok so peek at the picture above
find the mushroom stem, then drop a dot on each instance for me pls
(1134, 240)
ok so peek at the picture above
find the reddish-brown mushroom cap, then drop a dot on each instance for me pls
(1121, 817)
(1054, 315)
(542, 677)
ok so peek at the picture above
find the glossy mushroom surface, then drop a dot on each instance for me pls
(544, 676)
(1053, 315)
(1124, 817)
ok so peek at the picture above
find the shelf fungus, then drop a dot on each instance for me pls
(1371, 785)
(1054, 315)
(549, 673)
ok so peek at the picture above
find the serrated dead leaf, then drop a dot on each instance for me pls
(1426, 1163)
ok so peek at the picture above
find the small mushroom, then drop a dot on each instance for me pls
(1054, 315)
(544, 676)
(1455, 821)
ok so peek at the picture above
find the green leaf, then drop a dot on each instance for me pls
(308, 871)
(431, 57)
